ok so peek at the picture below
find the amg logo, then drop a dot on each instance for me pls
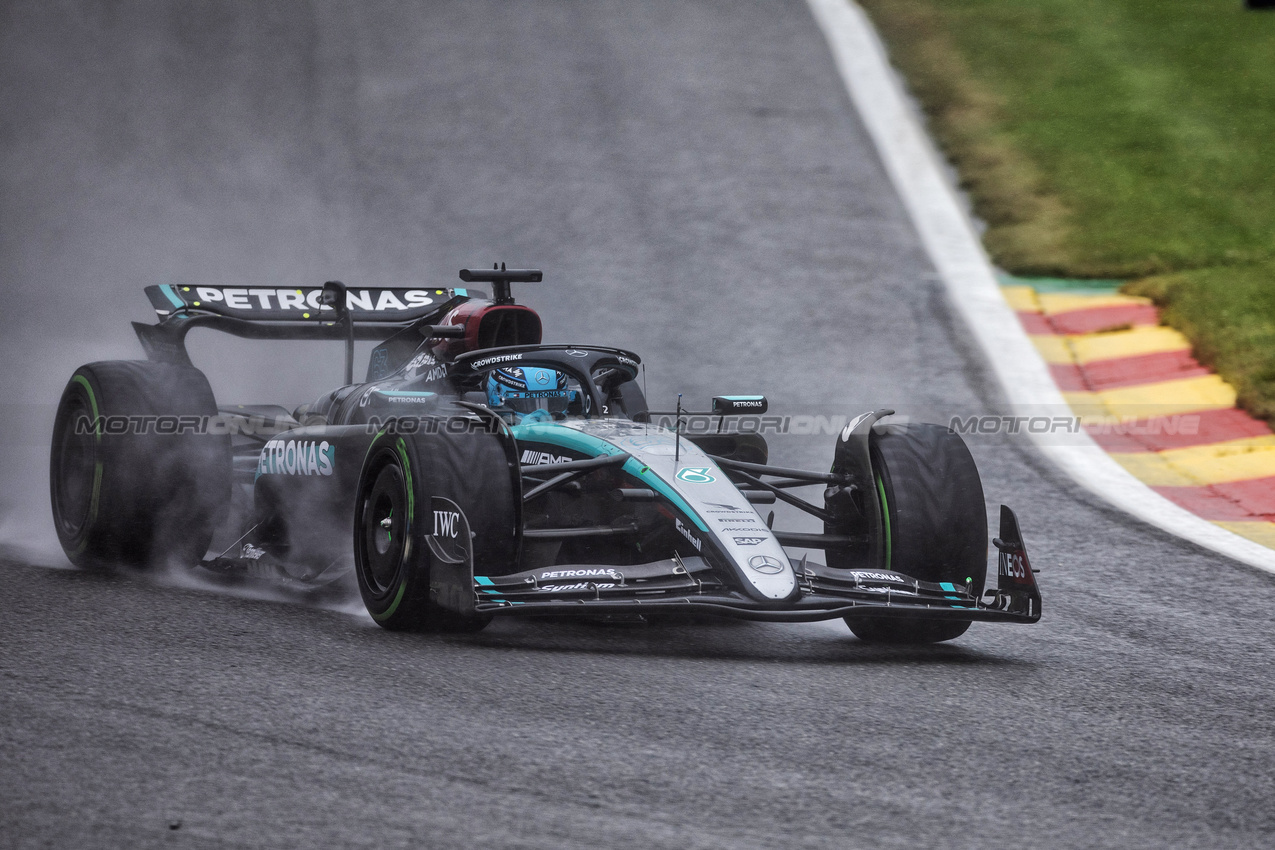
(446, 524)
(695, 541)
(435, 374)
(534, 458)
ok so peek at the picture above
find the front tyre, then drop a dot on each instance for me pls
(935, 523)
(391, 555)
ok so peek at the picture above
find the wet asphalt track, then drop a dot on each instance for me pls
(693, 181)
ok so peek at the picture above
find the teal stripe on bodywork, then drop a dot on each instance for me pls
(948, 586)
(569, 438)
(172, 296)
(483, 580)
(403, 393)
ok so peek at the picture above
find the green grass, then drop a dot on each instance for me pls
(1116, 139)
(1229, 315)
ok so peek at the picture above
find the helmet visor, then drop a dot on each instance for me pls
(553, 401)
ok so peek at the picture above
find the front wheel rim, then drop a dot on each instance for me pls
(384, 531)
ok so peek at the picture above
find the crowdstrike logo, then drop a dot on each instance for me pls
(490, 361)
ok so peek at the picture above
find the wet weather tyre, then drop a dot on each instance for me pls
(935, 523)
(135, 478)
(393, 520)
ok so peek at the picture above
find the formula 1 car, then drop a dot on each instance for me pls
(477, 472)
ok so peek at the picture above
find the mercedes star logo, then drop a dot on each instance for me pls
(766, 565)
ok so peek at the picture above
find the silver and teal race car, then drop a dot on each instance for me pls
(477, 472)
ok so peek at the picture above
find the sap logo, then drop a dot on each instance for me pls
(534, 458)
(446, 524)
(749, 541)
(695, 541)
(296, 457)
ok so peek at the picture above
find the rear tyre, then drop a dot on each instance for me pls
(935, 523)
(392, 522)
(134, 478)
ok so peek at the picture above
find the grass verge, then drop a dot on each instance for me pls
(1130, 139)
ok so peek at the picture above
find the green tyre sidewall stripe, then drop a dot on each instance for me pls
(95, 499)
(400, 449)
(885, 520)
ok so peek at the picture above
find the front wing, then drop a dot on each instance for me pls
(688, 584)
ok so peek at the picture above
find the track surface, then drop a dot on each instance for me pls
(691, 176)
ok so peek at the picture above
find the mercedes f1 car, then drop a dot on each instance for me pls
(477, 472)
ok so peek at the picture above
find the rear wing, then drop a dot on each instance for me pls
(279, 304)
(286, 313)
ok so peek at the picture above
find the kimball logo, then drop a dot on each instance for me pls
(296, 457)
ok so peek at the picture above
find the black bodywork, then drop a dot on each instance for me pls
(596, 528)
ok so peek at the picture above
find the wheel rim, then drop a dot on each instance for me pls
(74, 471)
(384, 529)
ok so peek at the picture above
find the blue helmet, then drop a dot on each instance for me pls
(533, 394)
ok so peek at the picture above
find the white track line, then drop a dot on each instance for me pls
(913, 164)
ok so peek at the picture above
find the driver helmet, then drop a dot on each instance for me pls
(533, 394)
